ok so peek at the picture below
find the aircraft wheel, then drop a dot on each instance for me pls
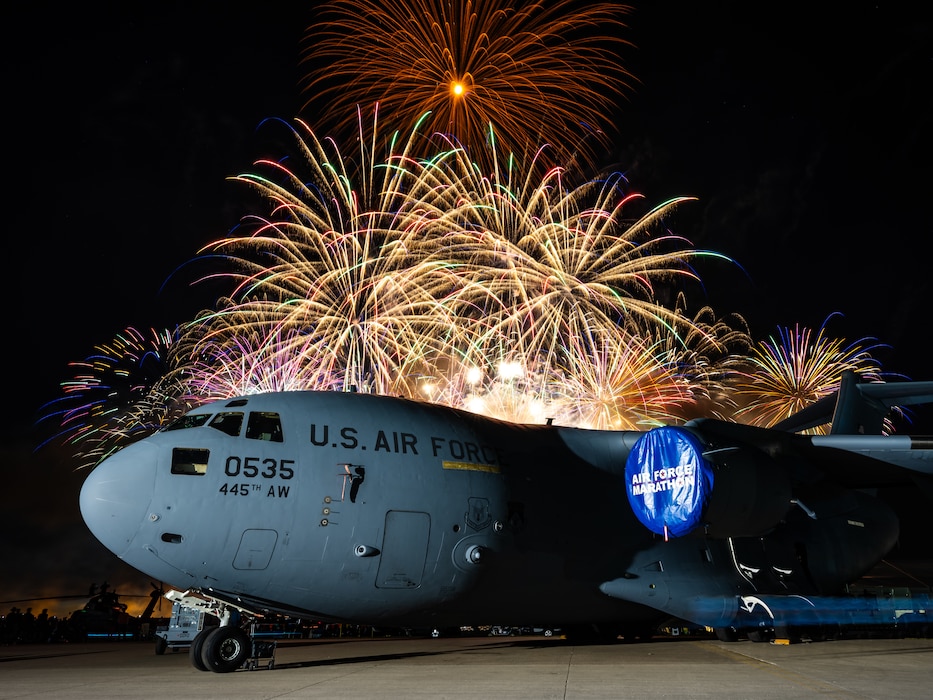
(226, 649)
(194, 652)
(161, 644)
(726, 634)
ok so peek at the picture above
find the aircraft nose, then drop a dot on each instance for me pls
(115, 496)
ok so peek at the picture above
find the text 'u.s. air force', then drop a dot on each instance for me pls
(402, 443)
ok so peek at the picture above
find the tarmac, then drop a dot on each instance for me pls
(482, 667)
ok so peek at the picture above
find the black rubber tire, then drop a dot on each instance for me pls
(760, 635)
(726, 634)
(161, 644)
(194, 653)
(226, 649)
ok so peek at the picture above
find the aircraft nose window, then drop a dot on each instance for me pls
(264, 425)
(228, 423)
(188, 460)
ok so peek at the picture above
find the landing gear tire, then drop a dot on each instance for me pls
(760, 635)
(727, 634)
(194, 652)
(226, 649)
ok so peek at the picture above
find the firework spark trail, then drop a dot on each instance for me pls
(252, 362)
(796, 370)
(545, 261)
(342, 262)
(621, 381)
(540, 72)
(128, 388)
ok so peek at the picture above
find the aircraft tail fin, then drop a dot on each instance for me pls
(858, 408)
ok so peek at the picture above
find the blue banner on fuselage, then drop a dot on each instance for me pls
(668, 481)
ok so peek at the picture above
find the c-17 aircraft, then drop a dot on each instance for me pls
(390, 512)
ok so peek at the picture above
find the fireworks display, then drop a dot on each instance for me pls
(430, 283)
(446, 248)
(796, 370)
(128, 388)
(539, 72)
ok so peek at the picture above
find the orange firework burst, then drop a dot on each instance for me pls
(539, 72)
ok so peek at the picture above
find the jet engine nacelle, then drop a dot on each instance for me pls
(677, 486)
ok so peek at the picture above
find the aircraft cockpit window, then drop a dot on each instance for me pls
(190, 421)
(189, 460)
(229, 423)
(264, 426)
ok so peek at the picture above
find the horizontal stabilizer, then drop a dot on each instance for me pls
(858, 408)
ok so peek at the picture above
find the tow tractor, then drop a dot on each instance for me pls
(190, 616)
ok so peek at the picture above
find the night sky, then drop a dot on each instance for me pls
(805, 137)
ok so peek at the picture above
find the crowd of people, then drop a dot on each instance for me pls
(103, 614)
(25, 627)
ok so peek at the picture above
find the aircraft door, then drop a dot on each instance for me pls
(255, 550)
(404, 549)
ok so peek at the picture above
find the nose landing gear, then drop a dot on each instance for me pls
(225, 649)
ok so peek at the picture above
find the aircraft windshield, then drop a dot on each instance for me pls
(229, 423)
(189, 421)
(264, 426)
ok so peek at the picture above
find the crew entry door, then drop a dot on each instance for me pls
(404, 549)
